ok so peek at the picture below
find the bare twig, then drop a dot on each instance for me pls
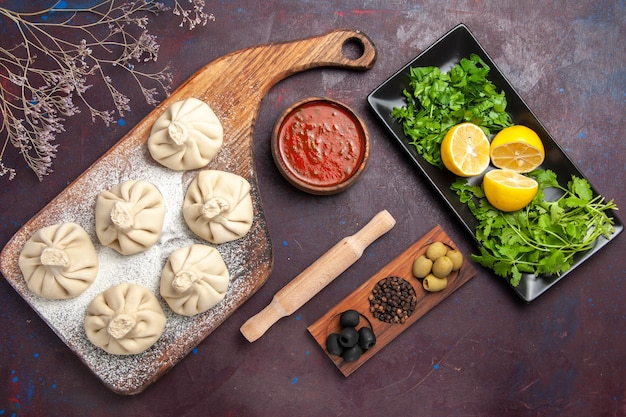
(45, 78)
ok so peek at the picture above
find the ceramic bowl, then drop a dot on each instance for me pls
(320, 146)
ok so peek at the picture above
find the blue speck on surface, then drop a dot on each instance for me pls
(36, 355)
(298, 317)
(60, 5)
(561, 90)
(307, 353)
(121, 122)
(285, 243)
(582, 135)
(54, 386)
(14, 379)
(194, 351)
(343, 222)
(29, 393)
(294, 380)
(436, 366)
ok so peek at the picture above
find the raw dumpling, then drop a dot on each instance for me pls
(125, 319)
(218, 206)
(59, 261)
(195, 279)
(129, 216)
(186, 136)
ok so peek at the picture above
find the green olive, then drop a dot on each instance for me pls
(433, 284)
(457, 259)
(442, 267)
(422, 266)
(436, 250)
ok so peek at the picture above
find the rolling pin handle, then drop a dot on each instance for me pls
(380, 224)
(257, 325)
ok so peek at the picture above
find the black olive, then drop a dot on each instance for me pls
(332, 344)
(352, 354)
(367, 338)
(349, 318)
(348, 337)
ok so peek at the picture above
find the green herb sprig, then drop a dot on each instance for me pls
(436, 101)
(542, 238)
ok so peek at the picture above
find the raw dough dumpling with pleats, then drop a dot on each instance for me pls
(125, 319)
(194, 279)
(186, 136)
(218, 206)
(59, 261)
(129, 216)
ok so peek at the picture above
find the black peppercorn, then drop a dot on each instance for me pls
(392, 300)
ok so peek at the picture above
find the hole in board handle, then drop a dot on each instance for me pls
(353, 48)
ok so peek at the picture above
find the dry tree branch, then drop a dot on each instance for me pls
(45, 77)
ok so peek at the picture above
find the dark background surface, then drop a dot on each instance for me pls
(480, 352)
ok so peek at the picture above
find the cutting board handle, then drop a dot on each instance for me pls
(330, 50)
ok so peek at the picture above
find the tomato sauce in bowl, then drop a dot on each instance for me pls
(320, 146)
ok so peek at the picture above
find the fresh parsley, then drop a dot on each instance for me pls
(542, 238)
(436, 101)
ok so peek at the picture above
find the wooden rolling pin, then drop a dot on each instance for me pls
(319, 274)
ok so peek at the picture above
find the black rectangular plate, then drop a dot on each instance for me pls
(446, 53)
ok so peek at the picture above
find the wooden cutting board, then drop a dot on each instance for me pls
(234, 86)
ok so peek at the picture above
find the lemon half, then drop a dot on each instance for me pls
(508, 190)
(518, 148)
(465, 150)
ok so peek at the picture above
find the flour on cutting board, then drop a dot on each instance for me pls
(182, 333)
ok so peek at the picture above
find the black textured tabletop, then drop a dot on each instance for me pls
(481, 351)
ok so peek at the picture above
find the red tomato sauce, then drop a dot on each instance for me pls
(321, 143)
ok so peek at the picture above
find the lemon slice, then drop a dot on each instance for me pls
(465, 150)
(518, 148)
(508, 190)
